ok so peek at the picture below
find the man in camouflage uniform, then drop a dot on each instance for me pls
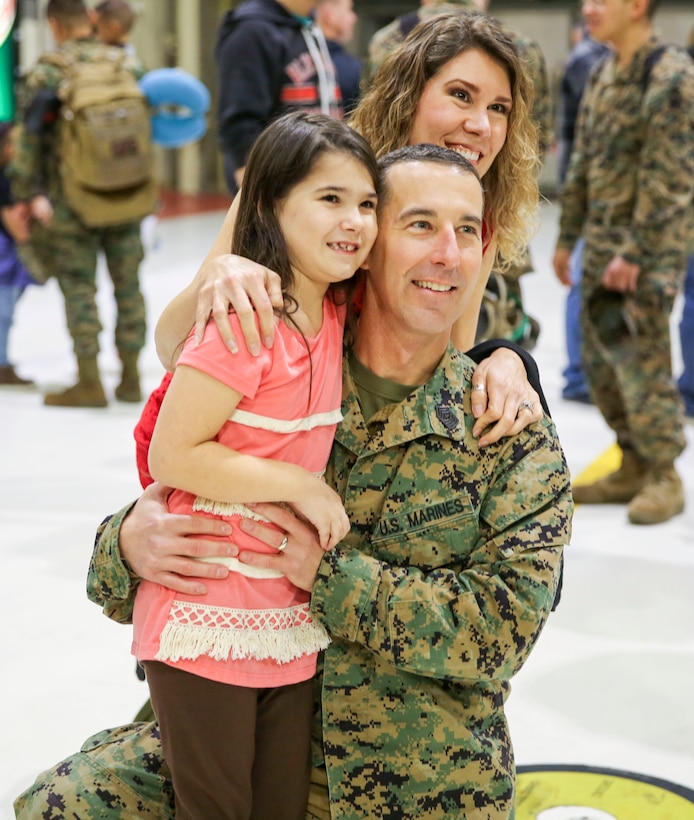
(629, 193)
(439, 592)
(66, 247)
(503, 314)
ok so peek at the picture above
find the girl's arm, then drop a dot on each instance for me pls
(185, 454)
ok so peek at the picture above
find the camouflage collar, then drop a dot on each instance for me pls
(437, 408)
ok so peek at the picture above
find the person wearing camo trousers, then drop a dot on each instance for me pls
(68, 249)
(445, 581)
(522, 328)
(629, 194)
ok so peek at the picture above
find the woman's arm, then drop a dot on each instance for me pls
(251, 290)
(506, 377)
(221, 280)
(465, 328)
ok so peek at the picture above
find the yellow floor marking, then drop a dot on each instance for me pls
(603, 465)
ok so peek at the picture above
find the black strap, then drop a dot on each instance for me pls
(407, 22)
(651, 62)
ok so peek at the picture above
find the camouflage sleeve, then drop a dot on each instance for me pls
(665, 183)
(110, 583)
(575, 192)
(479, 621)
(27, 170)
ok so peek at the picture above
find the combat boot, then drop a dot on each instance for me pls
(88, 392)
(10, 378)
(660, 497)
(616, 488)
(129, 387)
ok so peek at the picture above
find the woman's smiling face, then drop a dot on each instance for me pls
(466, 107)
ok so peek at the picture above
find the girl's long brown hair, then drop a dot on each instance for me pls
(281, 157)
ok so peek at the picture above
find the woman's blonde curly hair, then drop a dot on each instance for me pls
(386, 113)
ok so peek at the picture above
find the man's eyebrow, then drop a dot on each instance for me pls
(418, 211)
(415, 210)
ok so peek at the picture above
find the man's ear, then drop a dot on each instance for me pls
(638, 9)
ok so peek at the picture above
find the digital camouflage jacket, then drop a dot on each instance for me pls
(434, 601)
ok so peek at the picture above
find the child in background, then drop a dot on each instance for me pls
(14, 277)
(231, 672)
(113, 21)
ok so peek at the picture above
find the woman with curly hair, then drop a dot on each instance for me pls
(429, 90)
(456, 81)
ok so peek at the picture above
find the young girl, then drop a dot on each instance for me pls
(231, 673)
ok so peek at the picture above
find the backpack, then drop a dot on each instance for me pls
(104, 139)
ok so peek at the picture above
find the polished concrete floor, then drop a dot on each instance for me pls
(610, 683)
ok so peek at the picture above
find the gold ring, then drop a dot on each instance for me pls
(283, 543)
(480, 387)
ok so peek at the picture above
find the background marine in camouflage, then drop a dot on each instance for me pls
(629, 192)
(66, 247)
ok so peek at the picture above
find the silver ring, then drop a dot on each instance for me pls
(526, 405)
(283, 543)
(480, 387)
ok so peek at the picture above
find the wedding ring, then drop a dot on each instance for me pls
(526, 405)
(480, 387)
(283, 543)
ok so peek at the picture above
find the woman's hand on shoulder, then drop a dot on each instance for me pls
(503, 400)
(233, 283)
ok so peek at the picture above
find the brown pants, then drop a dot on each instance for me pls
(234, 752)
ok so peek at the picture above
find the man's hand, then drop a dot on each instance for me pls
(501, 408)
(298, 558)
(621, 275)
(561, 259)
(249, 289)
(162, 547)
(41, 209)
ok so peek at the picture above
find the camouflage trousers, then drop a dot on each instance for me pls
(121, 773)
(626, 354)
(69, 251)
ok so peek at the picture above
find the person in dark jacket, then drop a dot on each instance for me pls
(336, 19)
(271, 59)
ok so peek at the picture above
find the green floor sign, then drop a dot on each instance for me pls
(8, 10)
